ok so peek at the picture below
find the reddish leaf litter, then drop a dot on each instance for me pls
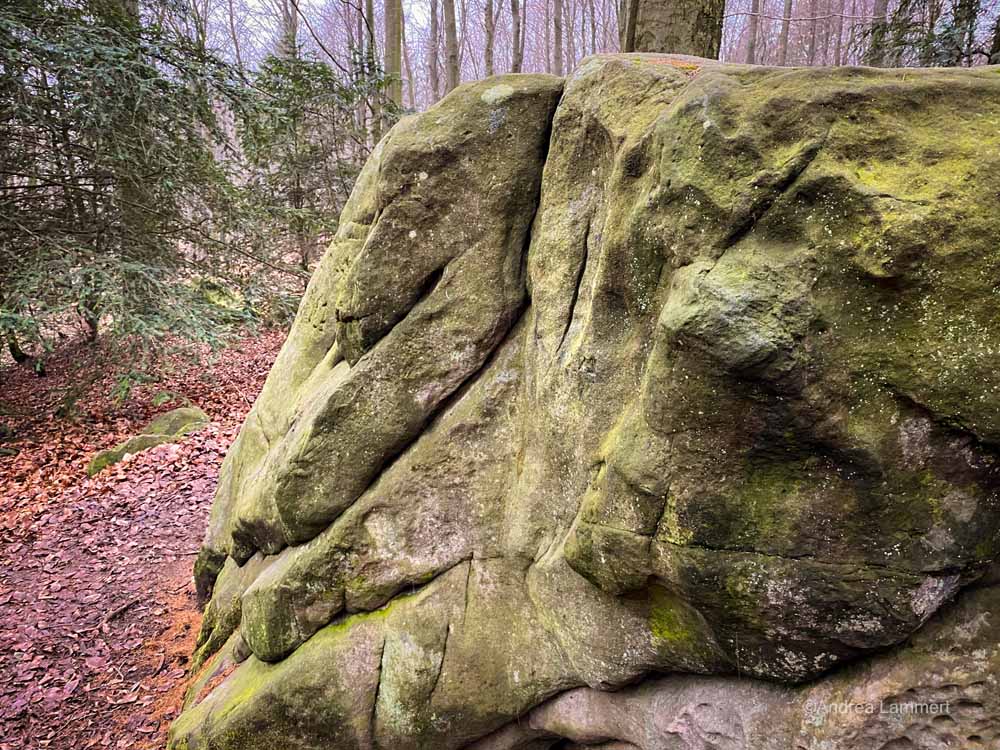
(97, 609)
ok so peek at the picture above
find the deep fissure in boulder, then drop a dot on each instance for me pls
(707, 387)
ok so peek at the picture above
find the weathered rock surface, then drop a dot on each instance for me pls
(677, 376)
(166, 428)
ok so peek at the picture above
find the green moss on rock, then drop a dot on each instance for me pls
(166, 428)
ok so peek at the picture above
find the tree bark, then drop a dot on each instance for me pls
(288, 39)
(490, 22)
(786, 22)
(827, 32)
(234, 36)
(628, 36)
(838, 48)
(435, 57)
(752, 32)
(548, 37)
(875, 55)
(557, 33)
(930, 31)
(524, 27)
(852, 35)
(593, 27)
(569, 27)
(407, 64)
(621, 13)
(392, 51)
(516, 60)
(966, 19)
(687, 27)
(451, 46)
(813, 23)
(375, 101)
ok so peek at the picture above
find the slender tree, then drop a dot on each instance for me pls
(838, 42)
(827, 31)
(752, 31)
(966, 17)
(593, 26)
(234, 36)
(875, 54)
(490, 24)
(557, 32)
(516, 32)
(406, 58)
(288, 33)
(524, 25)
(813, 28)
(786, 22)
(452, 75)
(434, 56)
(569, 11)
(392, 51)
(927, 48)
(371, 55)
(548, 37)
(631, 11)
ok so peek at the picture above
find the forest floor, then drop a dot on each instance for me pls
(97, 609)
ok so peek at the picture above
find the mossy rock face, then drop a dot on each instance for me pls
(166, 428)
(177, 422)
(672, 367)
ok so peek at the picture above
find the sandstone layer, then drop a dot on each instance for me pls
(654, 408)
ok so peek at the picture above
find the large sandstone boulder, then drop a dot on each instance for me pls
(675, 375)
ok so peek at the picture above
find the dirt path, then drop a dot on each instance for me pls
(97, 613)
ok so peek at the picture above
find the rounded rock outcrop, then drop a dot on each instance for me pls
(675, 375)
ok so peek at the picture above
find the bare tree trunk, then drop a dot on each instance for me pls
(490, 35)
(852, 35)
(288, 39)
(515, 37)
(786, 21)
(813, 21)
(375, 103)
(688, 27)
(463, 39)
(234, 36)
(359, 73)
(557, 30)
(752, 32)
(838, 48)
(435, 58)
(593, 27)
(569, 10)
(827, 32)
(199, 19)
(392, 53)
(930, 31)
(966, 17)
(875, 55)
(451, 46)
(548, 37)
(621, 13)
(406, 57)
(631, 12)
(524, 28)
